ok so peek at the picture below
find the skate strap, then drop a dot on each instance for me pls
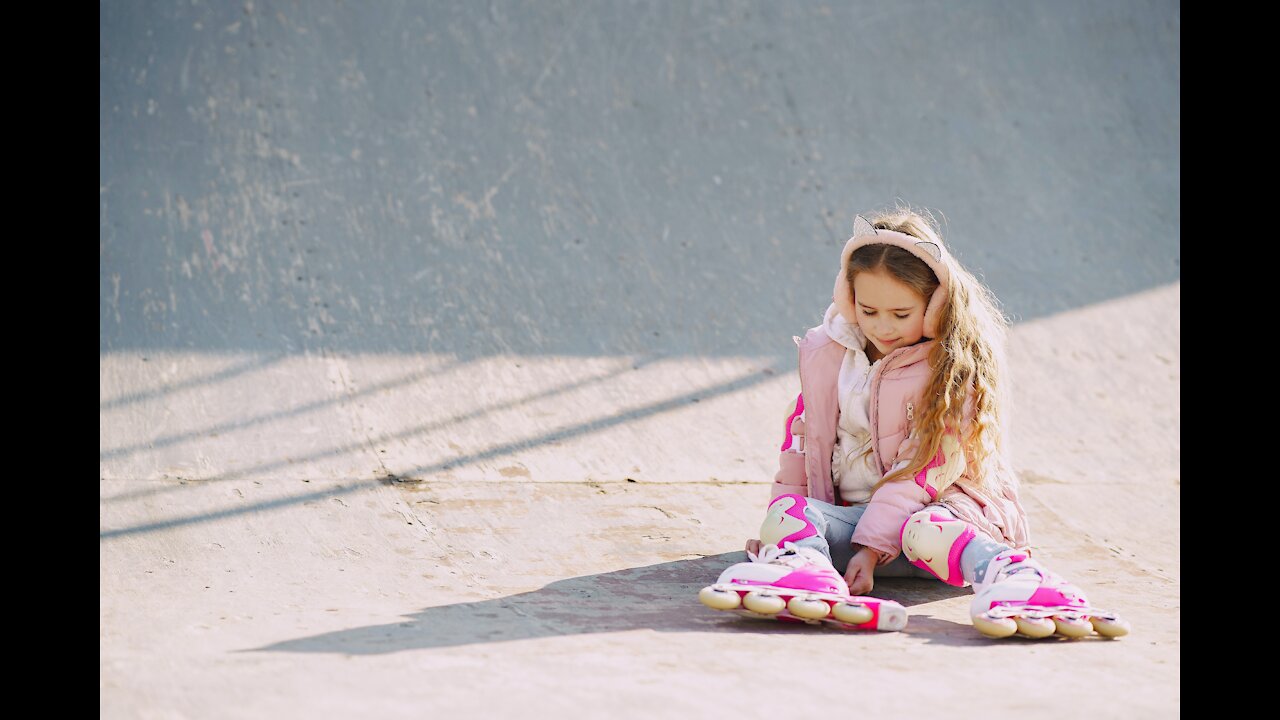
(770, 553)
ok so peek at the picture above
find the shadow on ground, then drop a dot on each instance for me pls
(660, 597)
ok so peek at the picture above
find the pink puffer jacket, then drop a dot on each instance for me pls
(897, 383)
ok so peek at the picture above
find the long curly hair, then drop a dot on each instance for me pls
(968, 359)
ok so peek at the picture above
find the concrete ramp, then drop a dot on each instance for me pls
(444, 348)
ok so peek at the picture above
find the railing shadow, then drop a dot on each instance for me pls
(561, 434)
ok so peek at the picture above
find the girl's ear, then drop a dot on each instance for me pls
(862, 226)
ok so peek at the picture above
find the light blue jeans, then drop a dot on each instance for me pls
(835, 525)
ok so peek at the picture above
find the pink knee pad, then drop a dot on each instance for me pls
(933, 541)
(785, 521)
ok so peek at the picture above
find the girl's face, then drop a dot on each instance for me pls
(890, 312)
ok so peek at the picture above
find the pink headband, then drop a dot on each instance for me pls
(864, 233)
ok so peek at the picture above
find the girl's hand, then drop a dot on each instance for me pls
(753, 547)
(860, 576)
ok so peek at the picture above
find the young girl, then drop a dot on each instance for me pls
(894, 461)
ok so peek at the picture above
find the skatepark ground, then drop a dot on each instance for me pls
(445, 349)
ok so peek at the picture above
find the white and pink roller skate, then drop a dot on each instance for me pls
(798, 584)
(1019, 595)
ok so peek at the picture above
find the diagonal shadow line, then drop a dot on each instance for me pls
(115, 453)
(125, 450)
(745, 381)
(661, 597)
(256, 363)
(232, 512)
(479, 412)
(519, 445)
(498, 451)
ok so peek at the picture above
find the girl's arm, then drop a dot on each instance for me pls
(880, 527)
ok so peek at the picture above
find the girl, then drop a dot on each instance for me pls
(894, 460)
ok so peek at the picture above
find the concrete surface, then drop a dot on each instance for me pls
(444, 347)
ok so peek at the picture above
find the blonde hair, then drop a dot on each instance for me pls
(968, 360)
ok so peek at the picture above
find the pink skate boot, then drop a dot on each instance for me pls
(798, 584)
(1019, 595)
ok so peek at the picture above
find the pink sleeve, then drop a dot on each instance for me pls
(880, 526)
(792, 476)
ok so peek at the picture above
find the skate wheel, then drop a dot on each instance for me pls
(1076, 628)
(1110, 627)
(719, 598)
(763, 603)
(994, 627)
(852, 614)
(808, 608)
(1035, 627)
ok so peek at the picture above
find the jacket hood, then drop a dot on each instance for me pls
(842, 331)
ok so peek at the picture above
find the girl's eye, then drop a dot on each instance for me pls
(900, 317)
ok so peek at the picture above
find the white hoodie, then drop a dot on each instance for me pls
(853, 430)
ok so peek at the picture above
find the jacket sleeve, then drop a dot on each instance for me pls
(792, 476)
(880, 527)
